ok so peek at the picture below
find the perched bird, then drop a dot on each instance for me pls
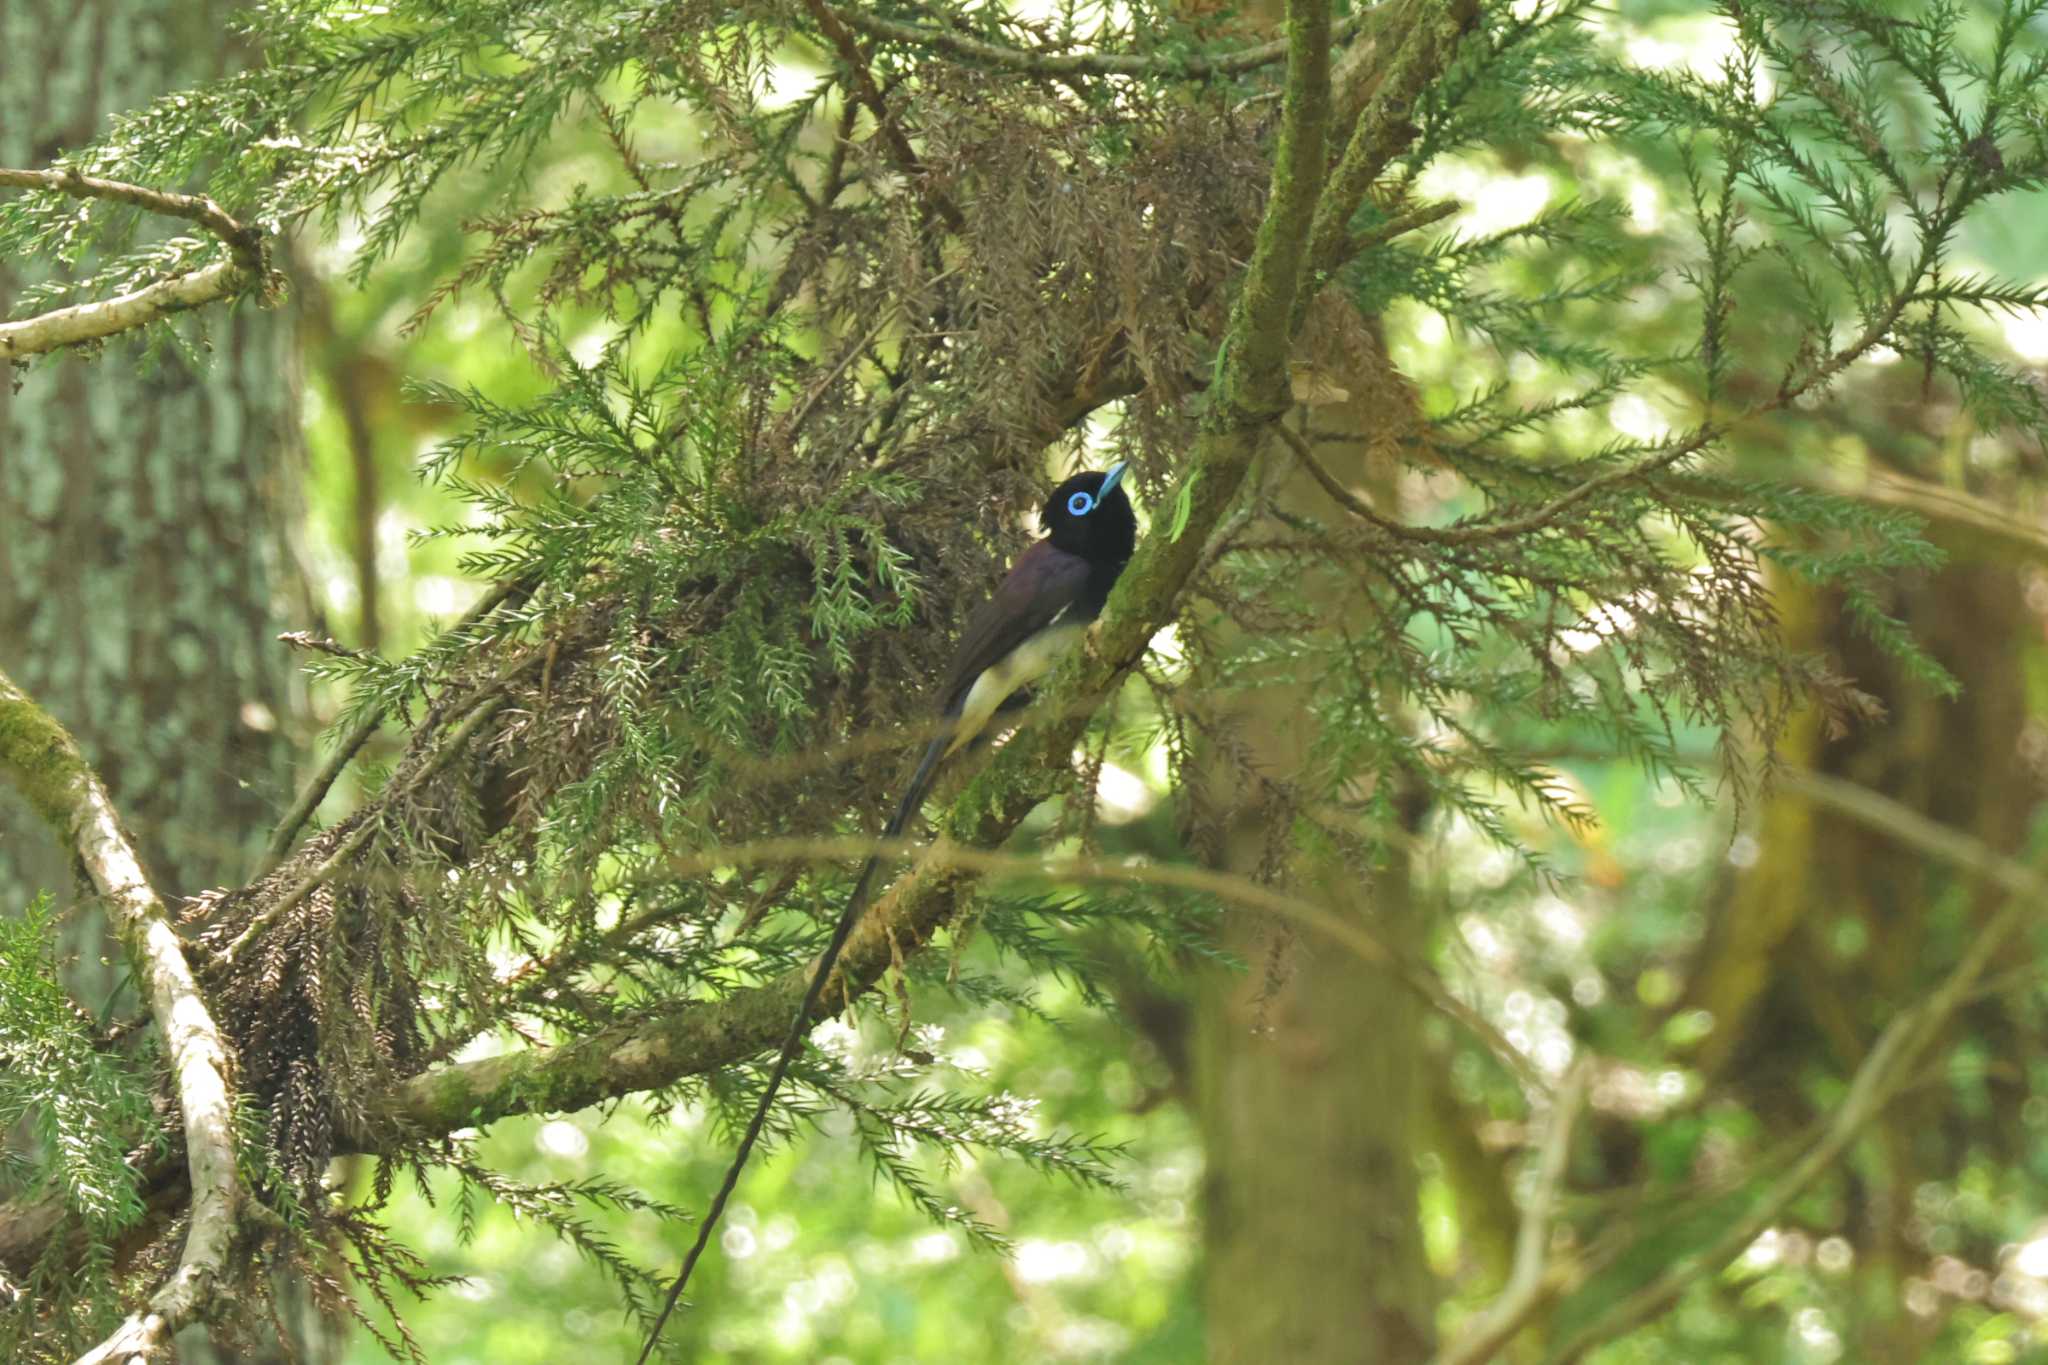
(1040, 610)
(1043, 606)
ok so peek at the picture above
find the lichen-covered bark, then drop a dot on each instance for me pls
(140, 513)
(139, 550)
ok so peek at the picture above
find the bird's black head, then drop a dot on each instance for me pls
(1089, 516)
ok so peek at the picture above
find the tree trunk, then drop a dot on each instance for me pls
(1835, 927)
(142, 507)
(1308, 1095)
(140, 570)
(1308, 1078)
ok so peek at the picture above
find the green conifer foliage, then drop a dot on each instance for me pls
(837, 289)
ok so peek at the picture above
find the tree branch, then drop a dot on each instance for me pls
(125, 312)
(1252, 365)
(1902, 824)
(1671, 453)
(1039, 62)
(831, 22)
(245, 241)
(353, 843)
(655, 1051)
(102, 318)
(315, 791)
(1383, 129)
(45, 765)
(652, 1053)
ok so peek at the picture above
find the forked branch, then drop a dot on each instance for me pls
(102, 318)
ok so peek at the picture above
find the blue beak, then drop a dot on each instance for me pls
(1110, 479)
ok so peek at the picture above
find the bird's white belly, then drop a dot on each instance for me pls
(1022, 666)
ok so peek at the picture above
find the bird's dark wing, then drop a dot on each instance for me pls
(1044, 582)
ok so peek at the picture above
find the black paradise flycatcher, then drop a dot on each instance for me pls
(1040, 610)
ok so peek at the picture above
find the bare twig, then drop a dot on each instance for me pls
(801, 413)
(1671, 453)
(46, 767)
(102, 318)
(1529, 1283)
(834, 27)
(1344, 497)
(1886, 1071)
(1905, 825)
(356, 839)
(1408, 220)
(321, 644)
(315, 791)
(1038, 62)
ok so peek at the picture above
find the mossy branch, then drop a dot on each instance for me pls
(45, 765)
(1429, 36)
(1252, 364)
(698, 1038)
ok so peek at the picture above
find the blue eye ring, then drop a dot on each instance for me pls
(1080, 505)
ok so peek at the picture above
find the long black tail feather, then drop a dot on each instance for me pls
(913, 798)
